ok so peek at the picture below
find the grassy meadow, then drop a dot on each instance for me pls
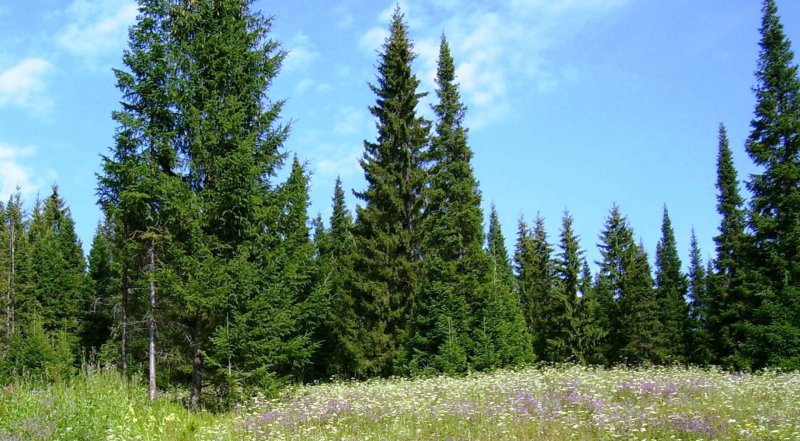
(557, 403)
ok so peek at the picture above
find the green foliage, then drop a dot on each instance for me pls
(774, 145)
(387, 270)
(671, 288)
(625, 294)
(501, 336)
(452, 237)
(701, 346)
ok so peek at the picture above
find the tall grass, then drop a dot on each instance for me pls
(558, 403)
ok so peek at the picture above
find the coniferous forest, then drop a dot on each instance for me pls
(207, 273)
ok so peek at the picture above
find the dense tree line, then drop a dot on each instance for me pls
(205, 272)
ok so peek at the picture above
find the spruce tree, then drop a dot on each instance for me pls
(589, 319)
(728, 306)
(568, 267)
(336, 248)
(625, 295)
(671, 287)
(536, 281)
(57, 283)
(500, 336)
(452, 236)
(773, 337)
(387, 230)
(701, 349)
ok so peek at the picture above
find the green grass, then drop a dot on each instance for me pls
(552, 403)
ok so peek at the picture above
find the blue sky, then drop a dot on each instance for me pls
(573, 104)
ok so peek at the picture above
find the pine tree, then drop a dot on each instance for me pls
(671, 287)
(773, 338)
(452, 236)
(728, 306)
(387, 228)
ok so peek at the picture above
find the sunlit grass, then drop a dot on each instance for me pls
(557, 403)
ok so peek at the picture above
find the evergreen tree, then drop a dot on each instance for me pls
(568, 267)
(339, 333)
(243, 310)
(104, 282)
(639, 310)
(57, 282)
(773, 337)
(701, 350)
(625, 295)
(500, 337)
(589, 319)
(671, 287)
(452, 236)
(728, 306)
(536, 281)
(387, 230)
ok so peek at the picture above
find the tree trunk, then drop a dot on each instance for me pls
(124, 337)
(197, 367)
(10, 295)
(152, 320)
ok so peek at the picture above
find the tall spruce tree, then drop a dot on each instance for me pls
(589, 320)
(243, 318)
(452, 236)
(773, 337)
(387, 230)
(671, 287)
(728, 307)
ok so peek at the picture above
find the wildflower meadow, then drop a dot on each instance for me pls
(551, 403)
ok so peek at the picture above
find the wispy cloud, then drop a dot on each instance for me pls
(97, 28)
(498, 46)
(301, 62)
(14, 173)
(24, 84)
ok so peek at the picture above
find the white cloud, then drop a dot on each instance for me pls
(301, 55)
(339, 160)
(350, 121)
(97, 28)
(23, 84)
(13, 173)
(497, 46)
(372, 40)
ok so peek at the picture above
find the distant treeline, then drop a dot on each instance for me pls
(207, 274)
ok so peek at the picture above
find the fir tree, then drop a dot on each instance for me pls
(671, 286)
(773, 337)
(589, 319)
(387, 229)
